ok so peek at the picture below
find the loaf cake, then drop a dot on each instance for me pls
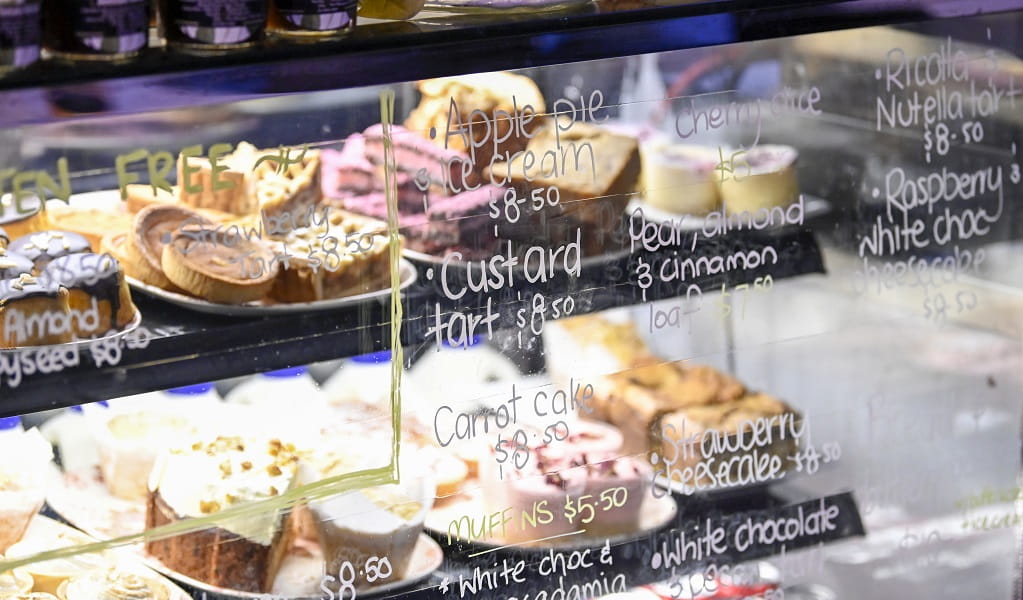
(207, 477)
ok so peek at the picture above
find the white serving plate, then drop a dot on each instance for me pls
(262, 308)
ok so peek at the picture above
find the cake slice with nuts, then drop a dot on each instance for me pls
(240, 553)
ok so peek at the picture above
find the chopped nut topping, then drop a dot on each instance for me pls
(209, 506)
(246, 465)
(225, 468)
(273, 470)
(273, 491)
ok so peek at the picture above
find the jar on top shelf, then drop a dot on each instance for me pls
(312, 19)
(95, 29)
(212, 25)
(20, 33)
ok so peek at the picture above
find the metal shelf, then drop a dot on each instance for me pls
(435, 45)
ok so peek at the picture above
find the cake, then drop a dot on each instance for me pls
(345, 255)
(96, 286)
(48, 575)
(248, 184)
(658, 404)
(236, 274)
(414, 154)
(4, 238)
(13, 583)
(22, 217)
(595, 172)
(114, 583)
(762, 177)
(588, 461)
(680, 178)
(22, 483)
(726, 421)
(485, 104)
(242, 553)
(33, 312)
(378, 521)
(44, 246)
(128, 443)
(92, 223)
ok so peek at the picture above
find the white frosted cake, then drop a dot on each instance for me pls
(242, 553)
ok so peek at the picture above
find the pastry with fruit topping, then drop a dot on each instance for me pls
(96, 286)
(762, 177)
(244, 552)
(44, 246)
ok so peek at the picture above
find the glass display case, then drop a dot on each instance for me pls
(626, 302)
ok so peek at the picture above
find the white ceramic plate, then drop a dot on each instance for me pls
(814, 207)
(301, 573)
(256, 309)
(654, 514)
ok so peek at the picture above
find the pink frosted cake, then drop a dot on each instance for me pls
(587, 462)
